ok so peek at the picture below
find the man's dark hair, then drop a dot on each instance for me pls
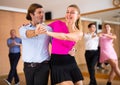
(32, 9)
(89, 26)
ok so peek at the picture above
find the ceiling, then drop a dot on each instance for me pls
(108, 15)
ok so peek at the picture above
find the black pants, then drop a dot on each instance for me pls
(13, 58)
(36, 74)
(99, 64)
(91, 60)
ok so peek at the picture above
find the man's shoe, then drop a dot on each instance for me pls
(7, 81)
(17, 83)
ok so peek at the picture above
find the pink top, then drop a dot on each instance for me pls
(60, 46)
(106, 49)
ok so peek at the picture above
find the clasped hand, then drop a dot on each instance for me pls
(40, 29)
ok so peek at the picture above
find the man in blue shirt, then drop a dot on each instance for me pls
(35, 52)
(13, 43)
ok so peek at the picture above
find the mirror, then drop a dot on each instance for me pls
(112, 15)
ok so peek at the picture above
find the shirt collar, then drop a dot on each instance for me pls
(30, 24)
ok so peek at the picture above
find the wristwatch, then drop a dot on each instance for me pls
(116, 3)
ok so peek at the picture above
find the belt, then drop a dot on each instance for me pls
(91, 50)
(35, 64)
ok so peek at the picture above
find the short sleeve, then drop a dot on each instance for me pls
(22, 32)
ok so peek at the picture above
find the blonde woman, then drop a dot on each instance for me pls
(64, 69)
(107, 52)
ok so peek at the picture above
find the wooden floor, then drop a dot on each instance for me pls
(101, 75)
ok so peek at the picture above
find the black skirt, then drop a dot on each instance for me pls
(64, 68)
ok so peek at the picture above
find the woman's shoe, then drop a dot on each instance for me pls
(109, 83)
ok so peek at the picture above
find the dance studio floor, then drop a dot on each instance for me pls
(101, 75)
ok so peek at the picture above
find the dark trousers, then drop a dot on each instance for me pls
(36, 74)
(99, 64)
(91, 60)
(13, 58)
